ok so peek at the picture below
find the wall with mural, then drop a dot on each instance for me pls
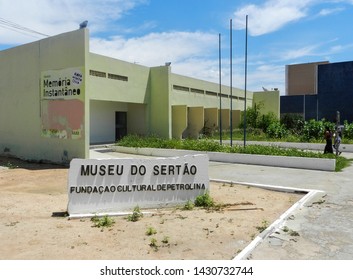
(62, 103)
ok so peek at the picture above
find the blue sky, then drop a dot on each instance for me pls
(185, 33)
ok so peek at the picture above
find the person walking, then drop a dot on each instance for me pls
(337, 142)
(328, 138)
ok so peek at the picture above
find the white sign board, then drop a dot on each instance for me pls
(108, 186)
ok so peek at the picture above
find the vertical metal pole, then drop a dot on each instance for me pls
(231, 83)
(317, 107)
(304, 106)
(220, 91)
(246, 73)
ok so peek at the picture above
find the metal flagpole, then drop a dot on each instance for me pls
(231, 83)
(220, 92)
(246, 66)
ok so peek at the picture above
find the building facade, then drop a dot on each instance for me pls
(58, 98)
(332, 91)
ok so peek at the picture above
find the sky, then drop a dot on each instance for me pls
(186, 33)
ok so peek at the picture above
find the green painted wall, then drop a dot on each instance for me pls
(270, 101)
(159, 103)
(20, 106)
(198, 92)
(134, 90)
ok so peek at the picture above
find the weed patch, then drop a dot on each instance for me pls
(102, 222)
(136, 215)
(204, 200)
(151, 231)
(264, 225)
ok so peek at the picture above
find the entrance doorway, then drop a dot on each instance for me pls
(120, 125)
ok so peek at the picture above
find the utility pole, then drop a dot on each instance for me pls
(220, 90)
(231, 83)
(246, 73)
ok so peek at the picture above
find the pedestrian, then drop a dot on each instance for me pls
(337, 142)
(328, 138)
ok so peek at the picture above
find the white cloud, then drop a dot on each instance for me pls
(271, 16)
(299, 52)
(326, 12)
(58, 16)
(157, 48)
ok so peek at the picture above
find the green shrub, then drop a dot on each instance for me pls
(188, 205)
(102, 222)
(276, 130)
(135, 216)
(266, 120)
(348, 130)
(204, 200)
(294, 123)
(151, 231)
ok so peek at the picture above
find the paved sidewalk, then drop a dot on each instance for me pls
(324, 223)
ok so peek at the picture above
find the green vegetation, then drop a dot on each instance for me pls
(264, 225)
(136, 215)
(290, 128)
(10, 165)
(102, 222)
(214, 146)
(151, 231)
(188, 205)
(153, 244)
(165, 240)
(204, 200)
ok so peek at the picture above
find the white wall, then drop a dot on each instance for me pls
(102, 120)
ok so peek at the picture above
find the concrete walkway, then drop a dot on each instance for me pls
(324, 222)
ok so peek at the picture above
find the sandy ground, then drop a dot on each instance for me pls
(33, 199)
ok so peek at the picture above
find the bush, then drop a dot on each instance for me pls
(348, 130)
(314, 130)
(276, 130)
(294, 123)
(204, 200)
(266, 120)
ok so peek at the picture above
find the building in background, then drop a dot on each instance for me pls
(318, 90)
(58, 98)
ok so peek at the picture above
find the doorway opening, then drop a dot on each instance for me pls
(120, 125)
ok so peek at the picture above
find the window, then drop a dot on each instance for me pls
(197, 90)
(181, 88)
(211, 93)
(117, 77)
(97, 73)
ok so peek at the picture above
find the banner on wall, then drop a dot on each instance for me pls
(62, 103)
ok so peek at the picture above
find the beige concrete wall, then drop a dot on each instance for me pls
(225, 114)
(211, 120)
(21, 105)
(236, 117)
(195, 122)
(302, 78)
(179, 120)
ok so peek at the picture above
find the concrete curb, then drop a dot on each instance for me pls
(245, 253)
(345, 148)
(277, 161)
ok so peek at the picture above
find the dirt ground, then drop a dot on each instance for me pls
(33, 199)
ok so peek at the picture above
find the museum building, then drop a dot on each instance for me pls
(58, 99)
